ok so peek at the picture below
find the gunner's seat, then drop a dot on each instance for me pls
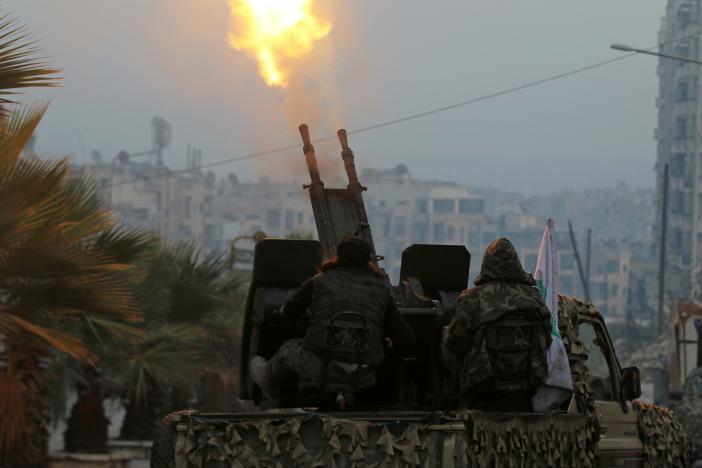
(280, 267)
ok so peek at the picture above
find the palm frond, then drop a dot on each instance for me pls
(107, 331)
(19, 66)
(124, 245)
(162, 356)
(18, 129)
(80, 192)
(14, 326)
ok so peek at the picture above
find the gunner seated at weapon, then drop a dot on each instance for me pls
(348, 314)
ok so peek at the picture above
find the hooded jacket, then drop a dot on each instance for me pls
(503, 291)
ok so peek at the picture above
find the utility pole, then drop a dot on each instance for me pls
(661, 265)
(587, 257)
(586, 288)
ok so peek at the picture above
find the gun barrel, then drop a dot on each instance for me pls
(355, 188)
(348, 158)
(310, 156)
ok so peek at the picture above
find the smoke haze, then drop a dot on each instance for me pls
(126, 61)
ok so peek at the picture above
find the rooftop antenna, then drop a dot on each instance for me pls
(160, 137)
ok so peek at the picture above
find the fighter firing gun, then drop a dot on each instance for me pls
(337, 212)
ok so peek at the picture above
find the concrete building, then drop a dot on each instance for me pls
(404, 211)
(177, 207)
(678, 137)
(278, 209)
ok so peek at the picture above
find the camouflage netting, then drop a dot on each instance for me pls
(480, 440)
(689, 411)
(568, 322)
(546, 440)
(664, 439)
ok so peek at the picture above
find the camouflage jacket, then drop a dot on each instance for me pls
(689, 411)
(503, 290)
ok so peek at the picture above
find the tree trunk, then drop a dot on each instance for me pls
(86, 429)
(24, 437)
(140, 417)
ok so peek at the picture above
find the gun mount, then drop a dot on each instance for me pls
(337, 212)
(432, 276)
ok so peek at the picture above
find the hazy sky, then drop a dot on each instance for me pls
(125, 61)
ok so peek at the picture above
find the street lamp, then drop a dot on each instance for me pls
(628, 48)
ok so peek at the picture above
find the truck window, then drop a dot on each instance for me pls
(600, 377)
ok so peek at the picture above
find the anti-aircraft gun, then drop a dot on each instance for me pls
(432, 277)
(602, 425)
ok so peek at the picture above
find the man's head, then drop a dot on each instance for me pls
(501, 262)
(354, 251)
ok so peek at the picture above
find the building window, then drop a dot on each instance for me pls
(683, 50)
(683, 17)
(681, 128)
(289, 219)
(444, 205)
(421, 205)
(567, 284)
(400, 226)
(682, 93)
(420, 232)
(450, 232)
(612, 266)
(273, 220)
(677, 165)
(438, 232)
(677, 202)
(474, 237)
(471, 206)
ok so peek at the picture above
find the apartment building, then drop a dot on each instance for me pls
(403, 210)
(678, 137)
(177, 207)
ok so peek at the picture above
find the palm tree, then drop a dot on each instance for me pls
(192, 315)
(87, 426)
(54, 276)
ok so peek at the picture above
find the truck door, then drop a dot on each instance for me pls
(619, 442)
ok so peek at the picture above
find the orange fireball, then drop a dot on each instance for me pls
(275, 31)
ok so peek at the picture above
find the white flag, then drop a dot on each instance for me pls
(559, 383)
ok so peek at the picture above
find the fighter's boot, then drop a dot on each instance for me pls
(260, 374)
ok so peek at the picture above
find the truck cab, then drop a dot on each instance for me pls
(613, 390)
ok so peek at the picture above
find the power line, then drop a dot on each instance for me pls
(407, 118)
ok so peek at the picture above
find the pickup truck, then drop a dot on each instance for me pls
(406, 419)
(603, 425)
